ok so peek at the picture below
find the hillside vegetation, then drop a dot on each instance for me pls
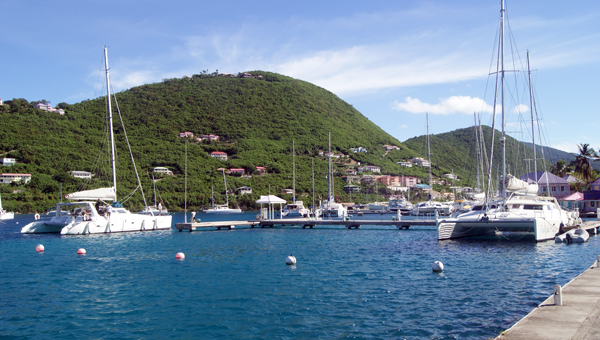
(256, 119)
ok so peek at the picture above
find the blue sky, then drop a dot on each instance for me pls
(392, 60)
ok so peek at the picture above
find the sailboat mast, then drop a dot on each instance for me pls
(503, 139)
(112, 136)
(329, 174)
(532, 120)
(428, 155)
(225, 184)
(185, 186)
(293, 172)
(477, 156)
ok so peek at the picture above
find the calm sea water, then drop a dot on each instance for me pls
(371, 283)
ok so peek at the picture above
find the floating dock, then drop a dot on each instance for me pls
(194, 226)
(310, 223)
(303, 222)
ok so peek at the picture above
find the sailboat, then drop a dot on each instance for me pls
(330, 208)
(428, 207)
(87, 212)
(5, 215)
(523, 211)
(155, 209)
(222, 208)
(296, 208)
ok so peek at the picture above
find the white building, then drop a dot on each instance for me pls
(81, 174)
(9, 178)
(8, 161)
(162, 170)
(244, 190)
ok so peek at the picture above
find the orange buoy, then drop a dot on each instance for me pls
(180, 256)
(39, 248)
(81, 251)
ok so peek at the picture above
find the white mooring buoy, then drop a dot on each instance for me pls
(437, 266)
(290, 260)
(180, 256)
(81, 251)
(39, 248)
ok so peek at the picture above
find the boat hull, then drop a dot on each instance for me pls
(118, 224)
(542, 229)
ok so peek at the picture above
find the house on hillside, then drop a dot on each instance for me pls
(8, 161)
(359, 149)
(235, 171)
(351, 188)
(420, 161)
(186, 134)
(220, 155)
(369, 168)
(81, 174)
(405, 164)
(9, 178)
(243, 190)
(261, 169)
(548, 183)
(162, 170)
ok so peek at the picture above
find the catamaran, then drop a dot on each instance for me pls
(524, 211)
(88, 211)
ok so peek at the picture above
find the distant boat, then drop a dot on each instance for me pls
(154, 209)
(87, 215)
(222, 208)
(330, 208)
(5, 215)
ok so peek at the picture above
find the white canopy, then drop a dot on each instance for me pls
(104, 194)
(271, 199)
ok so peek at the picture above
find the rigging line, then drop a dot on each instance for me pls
(129, 147)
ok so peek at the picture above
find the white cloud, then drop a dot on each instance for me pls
(521, 108)
(454, 104)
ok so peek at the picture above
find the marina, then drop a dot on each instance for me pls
(367, 283)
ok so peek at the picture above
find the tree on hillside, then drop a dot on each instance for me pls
(561, 169)
(582, 163)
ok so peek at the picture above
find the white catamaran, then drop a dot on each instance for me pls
(524, 211)
(87, 213)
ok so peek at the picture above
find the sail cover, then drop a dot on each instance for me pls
(104, 194)
(514, 184)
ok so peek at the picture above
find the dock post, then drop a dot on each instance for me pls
(557, 295)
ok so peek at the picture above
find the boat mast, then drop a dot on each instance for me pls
(185, 186)
(225, 184)
(532, 121)
(293, 173)
(329, 198)
(503, 139)
(112, 137)
(428, 155)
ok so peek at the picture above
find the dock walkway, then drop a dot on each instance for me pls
(303, 222)
(577, 318)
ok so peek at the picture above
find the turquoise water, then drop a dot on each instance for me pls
(371, 283)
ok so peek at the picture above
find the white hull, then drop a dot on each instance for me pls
(539, 216)
(6, 215)
(222, 210)
(84, 219)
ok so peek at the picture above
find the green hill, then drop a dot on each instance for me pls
(256, 118)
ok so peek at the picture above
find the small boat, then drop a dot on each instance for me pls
(576, 235)
(296, 209)
(221, 208)
(5, 215)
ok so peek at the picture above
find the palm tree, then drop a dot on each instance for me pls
(560, 169)
(582, 162)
